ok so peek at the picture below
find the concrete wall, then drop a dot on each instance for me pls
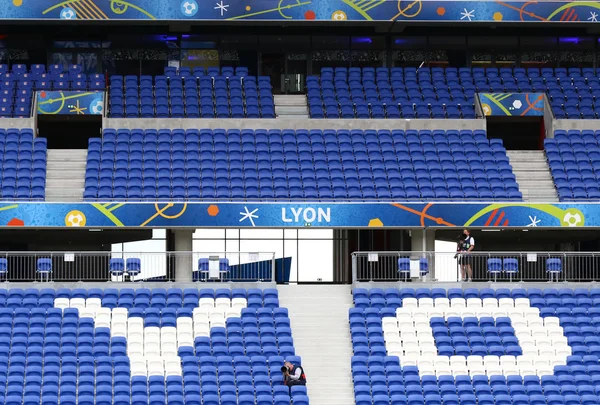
(576, 124)
(20, 123)
(291, 123)
(548, 118)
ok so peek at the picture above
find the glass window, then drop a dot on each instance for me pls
(315, 260)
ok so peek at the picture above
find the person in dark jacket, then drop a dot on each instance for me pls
(293, 374)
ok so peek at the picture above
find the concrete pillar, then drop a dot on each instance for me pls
(183, 255)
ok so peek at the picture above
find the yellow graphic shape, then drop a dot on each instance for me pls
(279, 9)
(404, 11)
(573, 217)
(497, 16)
(496, 98)
(116, 6)
(556, 212)
(593, 4)
(160, 212)
(361, 7)
(77, 109)
(75, 218)
(108, 214)
(375, 222)
(339, 15)
(17, 3)
(487, 110)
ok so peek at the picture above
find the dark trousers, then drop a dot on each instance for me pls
(290, 383)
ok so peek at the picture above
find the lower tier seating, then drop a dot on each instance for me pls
(142, 346)
(23, 163)
(512, 347)
(298, 165)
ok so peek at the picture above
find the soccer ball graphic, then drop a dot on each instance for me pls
(517, 104)
(339, 15)
(573, 219)
(68, 14)
(189, 7)
(75, 219)
(96, 107)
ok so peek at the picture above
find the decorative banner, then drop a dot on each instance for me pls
(512, 104)
(351, 215)
(70, 102)
(338, 10)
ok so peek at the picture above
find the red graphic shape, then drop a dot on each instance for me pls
(310, 15)
(16, 222)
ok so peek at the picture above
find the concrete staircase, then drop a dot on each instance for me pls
(291, 106)
(319, 321)
(533, 175)
(65, 174)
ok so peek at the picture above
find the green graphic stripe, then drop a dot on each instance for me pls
(108, 214)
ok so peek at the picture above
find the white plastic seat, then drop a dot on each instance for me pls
(506, 303)
(239, 303)
(135, 349)
(201, 329)
(410, 303)
(173, 366)
(151, 349)
(551, 321)
(409, 359)
(443, 370)
(394, 346)
(483, 312)
(428, 351)
(524, 362)
(391, 337)
(508, 361)
(223, 303)
(489, 361)
(168, 348)
(522, 303)
(476, 370)
(518, 322)
(95, 303)
(426, 302)
(510, 370)
(233, 313)
(474, 303)
(119, 312)
(469, 312)
(525, 371)
(411, 347)
(545, 371)
(389, 323)
(155, 366)
(515, 312)
(490, 303)
(102, 321)
(493, 370)
(531, 313)
(500, 312)
(458, 303)
(138, 366)
(436, 313)
(208, 303)
(118, 329)
(440, 362)
(538, 331)
(535, 323)
(61, 303)
(458, 361)
(450, 312)
(426, 370)
(87, 313)
(77, 303)
(529, 350)
(216, 314)
(441, 302)
(474, 361)
(404, 319)
(460, 370)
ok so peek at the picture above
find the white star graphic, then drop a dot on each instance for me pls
(593, 17)
(467, 14)
(534, 221)
(247, 214)
(222, 7)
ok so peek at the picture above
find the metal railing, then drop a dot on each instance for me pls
(161, 266)
(484, 266)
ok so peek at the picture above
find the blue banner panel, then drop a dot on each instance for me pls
(512, 104)
(196, 215)
(338, 10)
(70, 102)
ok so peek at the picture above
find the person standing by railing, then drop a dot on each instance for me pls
(465, 246)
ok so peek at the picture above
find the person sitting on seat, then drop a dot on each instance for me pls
(293, 374)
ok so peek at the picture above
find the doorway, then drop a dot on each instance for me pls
(517, 133)
(69, 132)
(287, 72)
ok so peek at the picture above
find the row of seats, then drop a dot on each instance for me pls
(293, 165)
(444, 93)
(23, 165)
(499, 293)
(190, 96)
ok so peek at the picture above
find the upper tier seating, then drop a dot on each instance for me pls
(445, 93)
(574, 159)
(193, 93)
(144, 347)
(18, 84)
(23, 163)
(298, 165)
(485, 347)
